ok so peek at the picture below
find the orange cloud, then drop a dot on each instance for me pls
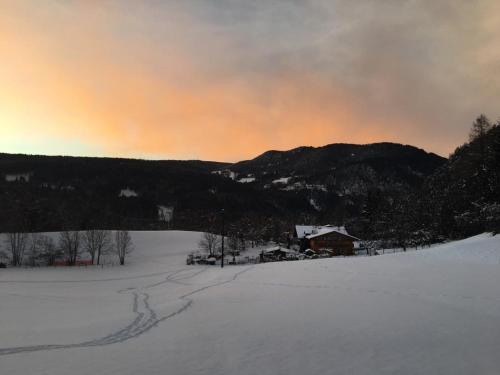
(127, 111)
(106, 80)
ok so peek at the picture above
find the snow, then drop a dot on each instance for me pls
(301, 185)
(325, 230)
(127, 193)
(245, 180)
(316, 187)
(314, 204)
(479, 249)
(432, 311)
(321, 231)
(18, 177)
(226, 173)
(165, 213)
(279, 248)
(304, 231)
(281, 180)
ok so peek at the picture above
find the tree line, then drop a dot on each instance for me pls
(461, 199)
(34, 249)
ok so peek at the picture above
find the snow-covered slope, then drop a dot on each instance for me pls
(430, 311)
(481, 249)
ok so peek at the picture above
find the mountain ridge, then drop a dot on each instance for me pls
(328, 183)
(294, 149)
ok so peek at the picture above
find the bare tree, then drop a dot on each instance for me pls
(209, 243)
(242, 241)
(96, 242)
(35, 245)
(16, 243)
(371, 246)
(233, 245)
(69, 243)
(123, 244)
(49, 250)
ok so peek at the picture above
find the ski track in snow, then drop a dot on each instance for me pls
(146, 317)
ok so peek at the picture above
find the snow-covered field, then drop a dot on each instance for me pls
(433, 311)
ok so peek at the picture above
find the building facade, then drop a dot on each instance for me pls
(326, 239)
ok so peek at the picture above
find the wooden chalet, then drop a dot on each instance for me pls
(321, 239)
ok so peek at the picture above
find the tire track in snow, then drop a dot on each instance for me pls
(146, 317)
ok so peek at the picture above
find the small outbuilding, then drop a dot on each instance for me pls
(279, 253)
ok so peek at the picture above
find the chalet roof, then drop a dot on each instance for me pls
(324, 231)
(306, 230)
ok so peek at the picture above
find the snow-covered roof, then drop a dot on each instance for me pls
(327, 231)
(305, 230)
(281, 180)
(127, 193)
(320, 232)
(246, 180)
(311, 231)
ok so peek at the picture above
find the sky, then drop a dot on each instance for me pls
(227, 80)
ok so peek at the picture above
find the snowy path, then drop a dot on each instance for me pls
(425, 312)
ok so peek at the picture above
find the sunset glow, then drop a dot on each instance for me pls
(221, 81)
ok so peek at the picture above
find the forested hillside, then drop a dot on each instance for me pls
(269, 194)
(394, 194)
(461, 198)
